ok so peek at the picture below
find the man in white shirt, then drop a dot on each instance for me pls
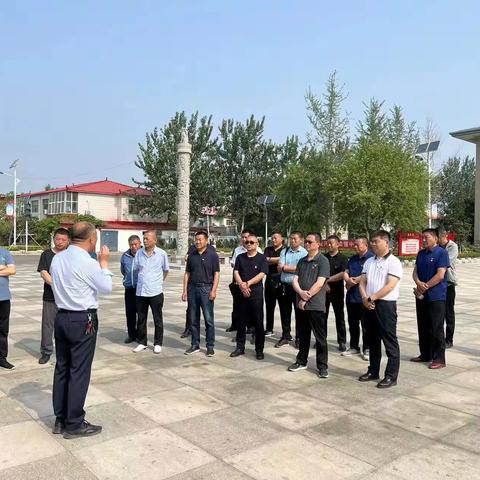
(76, 280)
(379, 289)
(152, 265)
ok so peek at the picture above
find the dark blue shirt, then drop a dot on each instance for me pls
(355, 268)
(250, 267)
(130, 275)
(202, 266)
(428, 262)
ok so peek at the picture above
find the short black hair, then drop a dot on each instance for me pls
(276, 232)
(62, 231)
(132, 238)
(334, 237)
(318, 237)
(442, 232)
(431, 231)
(297, 232)
(362, 237)
(202, 232)
(381, 234)
(246, 230)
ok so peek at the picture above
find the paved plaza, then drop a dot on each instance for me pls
(175, 417)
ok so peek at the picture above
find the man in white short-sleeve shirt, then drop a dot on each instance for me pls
(379, 289)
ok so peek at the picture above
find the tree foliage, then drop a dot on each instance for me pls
(158, 161)
(379, 185)
(455, 194)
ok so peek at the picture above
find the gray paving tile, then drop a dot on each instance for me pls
(60, 467)
(25, 442)
(227, 431)
(11, 412)
(212, 471)
(156, 453)
(467, 437)
(293, 457)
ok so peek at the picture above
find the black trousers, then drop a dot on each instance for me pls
(273, 295)
(356, 318)
(236, 299)
(131, 311)
(431, 337)
(156, 305)
(288, 300)
(4, 327)
(308, 321)
(337, 301)
(75, 349)
(450, 313)
(188, 323)
(250, 313)
(381, 326)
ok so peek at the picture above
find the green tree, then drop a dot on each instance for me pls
(158, 161)
(454, 191)
(250, 167)
(380, 185)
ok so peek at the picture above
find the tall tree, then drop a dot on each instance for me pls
(158, 159)
(380, 185)
(401, 133)
(373, 128)
(455, 194)
(327, 117)
(249, 164)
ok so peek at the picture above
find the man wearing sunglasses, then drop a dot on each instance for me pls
(309, 280)
(249, 272)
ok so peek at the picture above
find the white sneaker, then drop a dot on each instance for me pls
(140, 348)
(157, 349)
(350, 351)
(366, 355)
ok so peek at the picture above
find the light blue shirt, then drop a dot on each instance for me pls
(77, 278)
(150, 271)
(291, 258)
(6, 258)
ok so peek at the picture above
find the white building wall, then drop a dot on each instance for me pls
(104, 207)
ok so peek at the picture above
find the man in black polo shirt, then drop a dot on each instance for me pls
(273, 286)
(309, 280)
(336, 294)
(200, 283)
(49, 311)
(249, 271)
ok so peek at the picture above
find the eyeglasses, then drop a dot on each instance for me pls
(310, 241)
(250, 242)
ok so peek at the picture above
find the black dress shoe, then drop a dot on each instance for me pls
(5, 364)
(129, 340)
(419, 359)
(43, 359)
(231, 328)
(86, 430)
(59, 427)
(260, 356)
(367, 377)
(185, 334)
(237, 352)
(386, 383)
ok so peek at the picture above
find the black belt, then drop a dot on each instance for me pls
(89, 310)
(201, 284)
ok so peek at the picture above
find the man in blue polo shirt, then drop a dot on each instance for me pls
(430, 278)
(355, 308)
(7, 268)
(287, 266)
(200, 283)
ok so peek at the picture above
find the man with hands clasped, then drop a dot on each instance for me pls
(249, 272)
(379, 289)
(308, 282)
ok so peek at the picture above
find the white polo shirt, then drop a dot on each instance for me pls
(377, 271)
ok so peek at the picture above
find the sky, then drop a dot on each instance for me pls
(82, 82)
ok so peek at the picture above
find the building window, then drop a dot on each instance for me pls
(132, 207)
(62, 202)
(45, 206)
(34, 206)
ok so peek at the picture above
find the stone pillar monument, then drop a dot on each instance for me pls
(184, 150)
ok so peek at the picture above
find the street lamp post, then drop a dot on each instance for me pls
(427, 149)
(13, 167)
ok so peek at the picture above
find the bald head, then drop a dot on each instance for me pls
(82, 231)
(84, 235)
